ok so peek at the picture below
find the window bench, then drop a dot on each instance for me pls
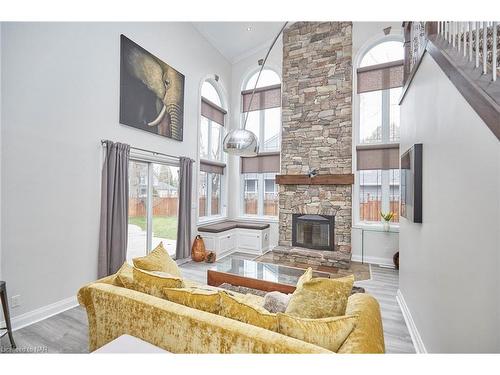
(229, 236)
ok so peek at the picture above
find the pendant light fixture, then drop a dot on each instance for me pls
(243, 142)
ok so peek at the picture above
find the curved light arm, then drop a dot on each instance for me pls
(260, 71)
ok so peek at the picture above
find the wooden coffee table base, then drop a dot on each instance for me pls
(216, 278)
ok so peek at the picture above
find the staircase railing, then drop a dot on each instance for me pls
(476, 41)
(468, 54)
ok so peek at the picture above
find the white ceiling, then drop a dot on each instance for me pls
(234, 40)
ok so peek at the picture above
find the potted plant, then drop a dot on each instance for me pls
(387, 218)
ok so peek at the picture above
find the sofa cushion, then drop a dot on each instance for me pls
(148, 282)
(320, 298)
(305, 277)
(329, 333)
(158, 260)
(240, 308)
(198, 298)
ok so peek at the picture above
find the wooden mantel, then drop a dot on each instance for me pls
(321, 179)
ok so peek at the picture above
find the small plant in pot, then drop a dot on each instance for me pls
(387, 217)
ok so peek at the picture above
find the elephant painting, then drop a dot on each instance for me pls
(151, 92)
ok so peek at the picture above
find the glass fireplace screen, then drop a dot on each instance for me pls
(313, 231)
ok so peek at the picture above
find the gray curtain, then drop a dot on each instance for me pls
(184, 227)
(114, 209)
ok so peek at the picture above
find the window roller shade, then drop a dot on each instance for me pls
(263, 163)
(380, 76)
(370, 157)
(212, 111)
(212, 167)
(264, 98)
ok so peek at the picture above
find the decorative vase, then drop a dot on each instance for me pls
(210, 257)
(395, 259)
(198, 251)
(387, 226)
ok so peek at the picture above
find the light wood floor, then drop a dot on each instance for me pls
(67, 331)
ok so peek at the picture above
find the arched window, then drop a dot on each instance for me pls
(268, 77)
(259, 191)
(212, 160)
(383, 53)
(379, 81)
(209, 92)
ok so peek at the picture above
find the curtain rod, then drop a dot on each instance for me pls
(103, 143)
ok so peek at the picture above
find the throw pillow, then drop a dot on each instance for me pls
(305, 277)
(198, 298)
(147, 282)
(329, 333)
(235, 307)
(276, 302)
(158, 260)
(321, 298)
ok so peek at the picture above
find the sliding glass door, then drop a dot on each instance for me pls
(153, 207)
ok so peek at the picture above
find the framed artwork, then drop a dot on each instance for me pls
(151, 92)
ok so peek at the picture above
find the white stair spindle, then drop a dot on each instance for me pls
(448, 31)
(485, 52)
(465, 24)
(453, 34)
(470, 41)
(494, 52)
(459, 30)
(477, 44)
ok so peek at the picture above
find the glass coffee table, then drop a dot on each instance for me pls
(262, 276)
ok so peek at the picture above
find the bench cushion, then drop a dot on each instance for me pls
(230, 224)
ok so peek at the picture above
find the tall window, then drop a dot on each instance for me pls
(259, 191)
(264, 117)
(153, 207)
(212, 161)
(379, 78)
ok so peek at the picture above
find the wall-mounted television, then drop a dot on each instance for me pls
(411, 184)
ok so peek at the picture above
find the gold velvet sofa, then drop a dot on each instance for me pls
(113, 310)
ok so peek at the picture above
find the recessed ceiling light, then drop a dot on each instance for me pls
(249, 28)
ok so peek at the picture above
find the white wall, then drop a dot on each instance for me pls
(449, 275)
(241, 70)
(60, 98)
(378, 246)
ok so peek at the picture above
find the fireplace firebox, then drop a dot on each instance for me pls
(313, 231)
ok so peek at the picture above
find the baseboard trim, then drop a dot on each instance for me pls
(410, 323)
(373, 260)
(42, 313)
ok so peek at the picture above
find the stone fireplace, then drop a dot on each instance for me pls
(316, 135)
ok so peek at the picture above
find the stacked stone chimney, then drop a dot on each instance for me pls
(317, 128)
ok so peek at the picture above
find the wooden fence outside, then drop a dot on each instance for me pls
(370, 211)
(270, 207)
(202, 206)
(162, 206)
(168, 206)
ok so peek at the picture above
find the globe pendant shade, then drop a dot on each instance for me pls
(241, 142)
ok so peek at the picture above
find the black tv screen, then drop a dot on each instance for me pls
(411, 184)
